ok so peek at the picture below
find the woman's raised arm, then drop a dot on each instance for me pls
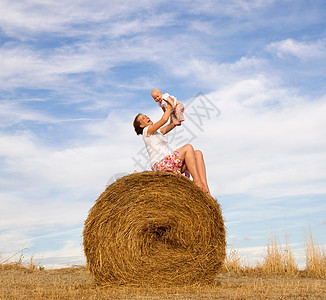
(167, 128)
(161, 122)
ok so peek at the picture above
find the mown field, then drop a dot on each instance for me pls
(276, 277)
(75, 283)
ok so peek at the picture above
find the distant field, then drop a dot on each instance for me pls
(277, 277)
(75, 283)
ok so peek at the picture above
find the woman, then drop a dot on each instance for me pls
(182, 159)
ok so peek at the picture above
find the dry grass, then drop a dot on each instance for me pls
(76, 283)
(315, 258)
(10, 264)
(277, 277)
(280, 261)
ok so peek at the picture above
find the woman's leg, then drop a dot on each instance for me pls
(188, 156)
(201, 168)
(184, 167)
(184, 171)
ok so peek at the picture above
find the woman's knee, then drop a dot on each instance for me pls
(185, 149)
(198, 153)
(189, 147)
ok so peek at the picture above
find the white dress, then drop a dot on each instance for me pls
(157, 145)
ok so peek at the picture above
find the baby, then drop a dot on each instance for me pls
(177, 107)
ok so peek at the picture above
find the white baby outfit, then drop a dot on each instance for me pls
(177, 112)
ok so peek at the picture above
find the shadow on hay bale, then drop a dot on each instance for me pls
(154, 228)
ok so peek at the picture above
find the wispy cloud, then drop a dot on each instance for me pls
(25, 19)
(303, 50)
(264, 128)
(233, 7)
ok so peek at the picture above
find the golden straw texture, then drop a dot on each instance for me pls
(154, 228)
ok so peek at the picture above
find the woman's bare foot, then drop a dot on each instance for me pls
(203, 187)
(207, 191)
(200, 185)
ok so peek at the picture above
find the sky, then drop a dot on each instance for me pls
(73, 75)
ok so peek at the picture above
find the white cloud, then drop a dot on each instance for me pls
(265, 139)
(33, 209)
(15, 246)
(302, 50)
(12, 113)
(23, 66)
(84, 166)
(255, 255)
(11, 242)
(23, 19)
(206, 73)
(69, 255)
(234, 8)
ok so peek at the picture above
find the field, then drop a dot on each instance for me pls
(277, 277)
(76, 283)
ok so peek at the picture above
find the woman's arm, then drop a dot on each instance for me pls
(167, 128)
(161, 122)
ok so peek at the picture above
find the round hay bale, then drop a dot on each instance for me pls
(154, 228)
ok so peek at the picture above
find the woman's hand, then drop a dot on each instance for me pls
(167, 128)
(161, 122)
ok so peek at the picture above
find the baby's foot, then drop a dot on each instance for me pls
(177, 123)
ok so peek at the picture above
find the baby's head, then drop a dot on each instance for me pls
(157, 95)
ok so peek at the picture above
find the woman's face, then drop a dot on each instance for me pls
(144, 121)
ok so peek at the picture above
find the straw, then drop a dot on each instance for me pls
(154, 228)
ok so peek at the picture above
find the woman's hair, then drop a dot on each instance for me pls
(138, 129)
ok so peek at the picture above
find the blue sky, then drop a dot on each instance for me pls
(74, 74)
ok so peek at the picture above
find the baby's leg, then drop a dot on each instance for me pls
(175, 119)
(179, 109)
